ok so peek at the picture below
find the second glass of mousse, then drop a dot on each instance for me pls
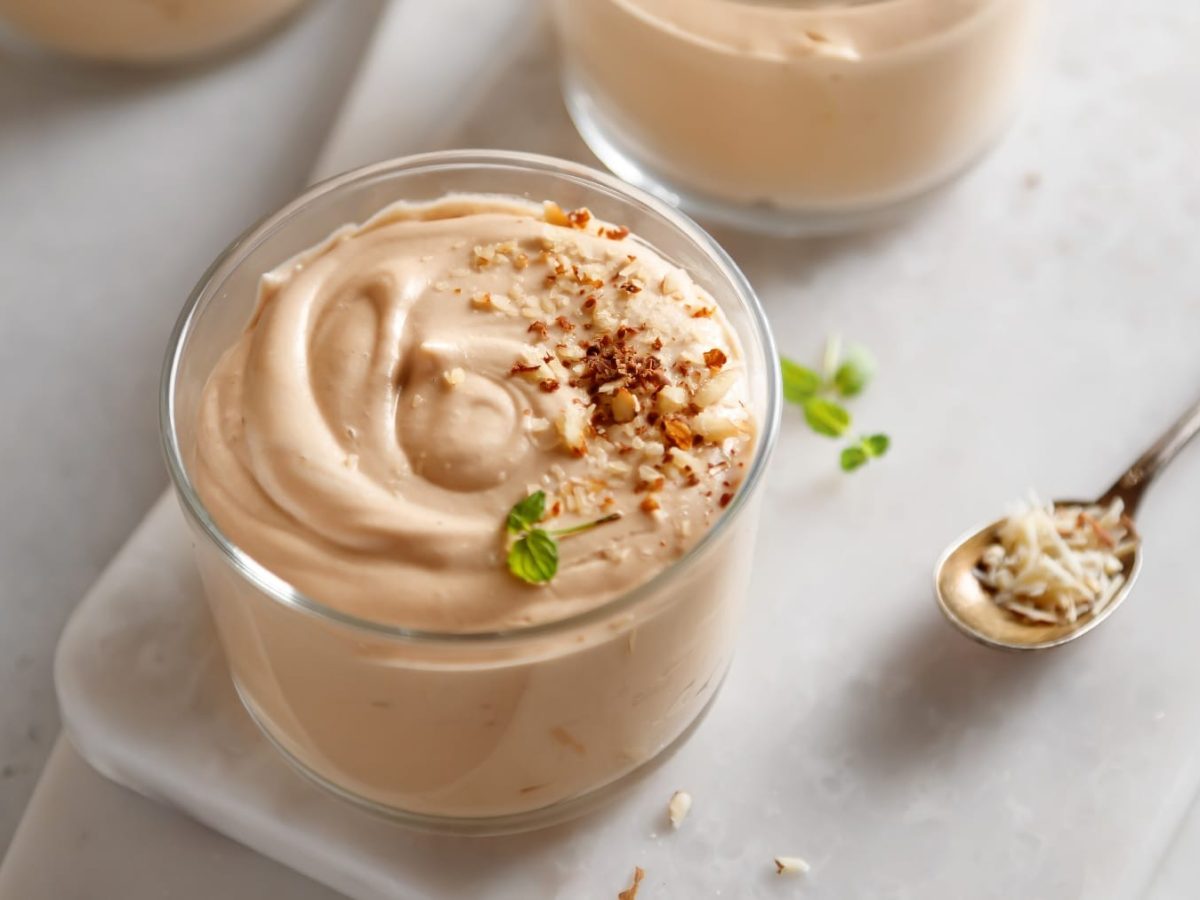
(794, 117)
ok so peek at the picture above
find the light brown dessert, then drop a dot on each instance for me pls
(813, 105)
(142, 31)
(400, 388)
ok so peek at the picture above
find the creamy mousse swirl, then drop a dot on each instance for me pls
(404, 383)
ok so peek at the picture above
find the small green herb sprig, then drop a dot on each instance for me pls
(843, 375)
(533, 556)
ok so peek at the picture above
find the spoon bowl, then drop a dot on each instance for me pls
(969, 606)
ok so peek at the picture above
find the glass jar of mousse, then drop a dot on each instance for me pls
(793, 116)
(143, 31)
(471, 732)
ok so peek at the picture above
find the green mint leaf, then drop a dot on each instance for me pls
(799, 382)
(854, 373)
(534, 557)
(527, 513)
(877, 444)
(853, 457)
(826, 417)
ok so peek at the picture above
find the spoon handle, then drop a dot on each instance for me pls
(1132, 485)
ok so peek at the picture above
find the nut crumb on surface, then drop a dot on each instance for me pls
(790, 865)
(453, 377)
(678, 808)
(631, 892)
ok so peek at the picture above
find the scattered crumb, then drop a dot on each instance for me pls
(790, 865)
(631, 892)
(454, 377)
(678, 808)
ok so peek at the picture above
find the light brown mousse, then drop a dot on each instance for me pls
(403, 384)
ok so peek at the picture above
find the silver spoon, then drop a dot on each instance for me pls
(966, 603)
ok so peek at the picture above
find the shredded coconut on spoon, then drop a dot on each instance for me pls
(1055, 565)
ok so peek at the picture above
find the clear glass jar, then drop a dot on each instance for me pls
(793, 117)
(142, 31)
(480, 732)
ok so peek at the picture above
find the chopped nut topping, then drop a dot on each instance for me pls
(725, 500)
(625, 332)
(624, 406)
(677, 432)
(651, 478)
(715, 389)
(671, 398)
(631, 892)
(684, 461)
(715, 427)
(572, 427)
(454, 377)
(609, 360)
(553, 214)
(595, 345)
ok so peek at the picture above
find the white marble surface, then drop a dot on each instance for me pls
(860, 731)
(117, 187)
(85, 838)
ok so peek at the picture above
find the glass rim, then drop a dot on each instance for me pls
(280, 590)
